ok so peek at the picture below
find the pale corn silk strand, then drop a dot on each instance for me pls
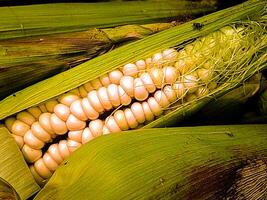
(133, 95)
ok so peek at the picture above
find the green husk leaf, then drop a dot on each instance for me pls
(13, 168)
(168, 163)
(21, 21)
(94, 68)
(37, 58)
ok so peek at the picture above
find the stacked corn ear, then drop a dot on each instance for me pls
(39, 57)
(201, 162)
(152, 82)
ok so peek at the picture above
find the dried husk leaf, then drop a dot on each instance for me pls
(250, 181)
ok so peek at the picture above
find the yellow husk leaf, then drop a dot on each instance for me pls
(13, 168)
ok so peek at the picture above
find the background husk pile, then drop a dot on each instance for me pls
(221, 149)
(39, 57)
(39, 41)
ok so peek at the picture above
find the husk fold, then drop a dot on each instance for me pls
(175, 36)
(168, 163)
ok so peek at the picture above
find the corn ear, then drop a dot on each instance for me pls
(37, 58)
(94, 68)
(44, 19)
(168, 163)
(13, 168)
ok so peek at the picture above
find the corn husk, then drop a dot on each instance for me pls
(37, 58)
(242, 105)
(257, 108)
(14, 171)
(44, 19)
(168, 163)
(230, 107)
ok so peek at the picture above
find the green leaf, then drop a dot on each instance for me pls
(166, 163)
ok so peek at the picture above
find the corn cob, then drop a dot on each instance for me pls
(131, 96)
(193, 69)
